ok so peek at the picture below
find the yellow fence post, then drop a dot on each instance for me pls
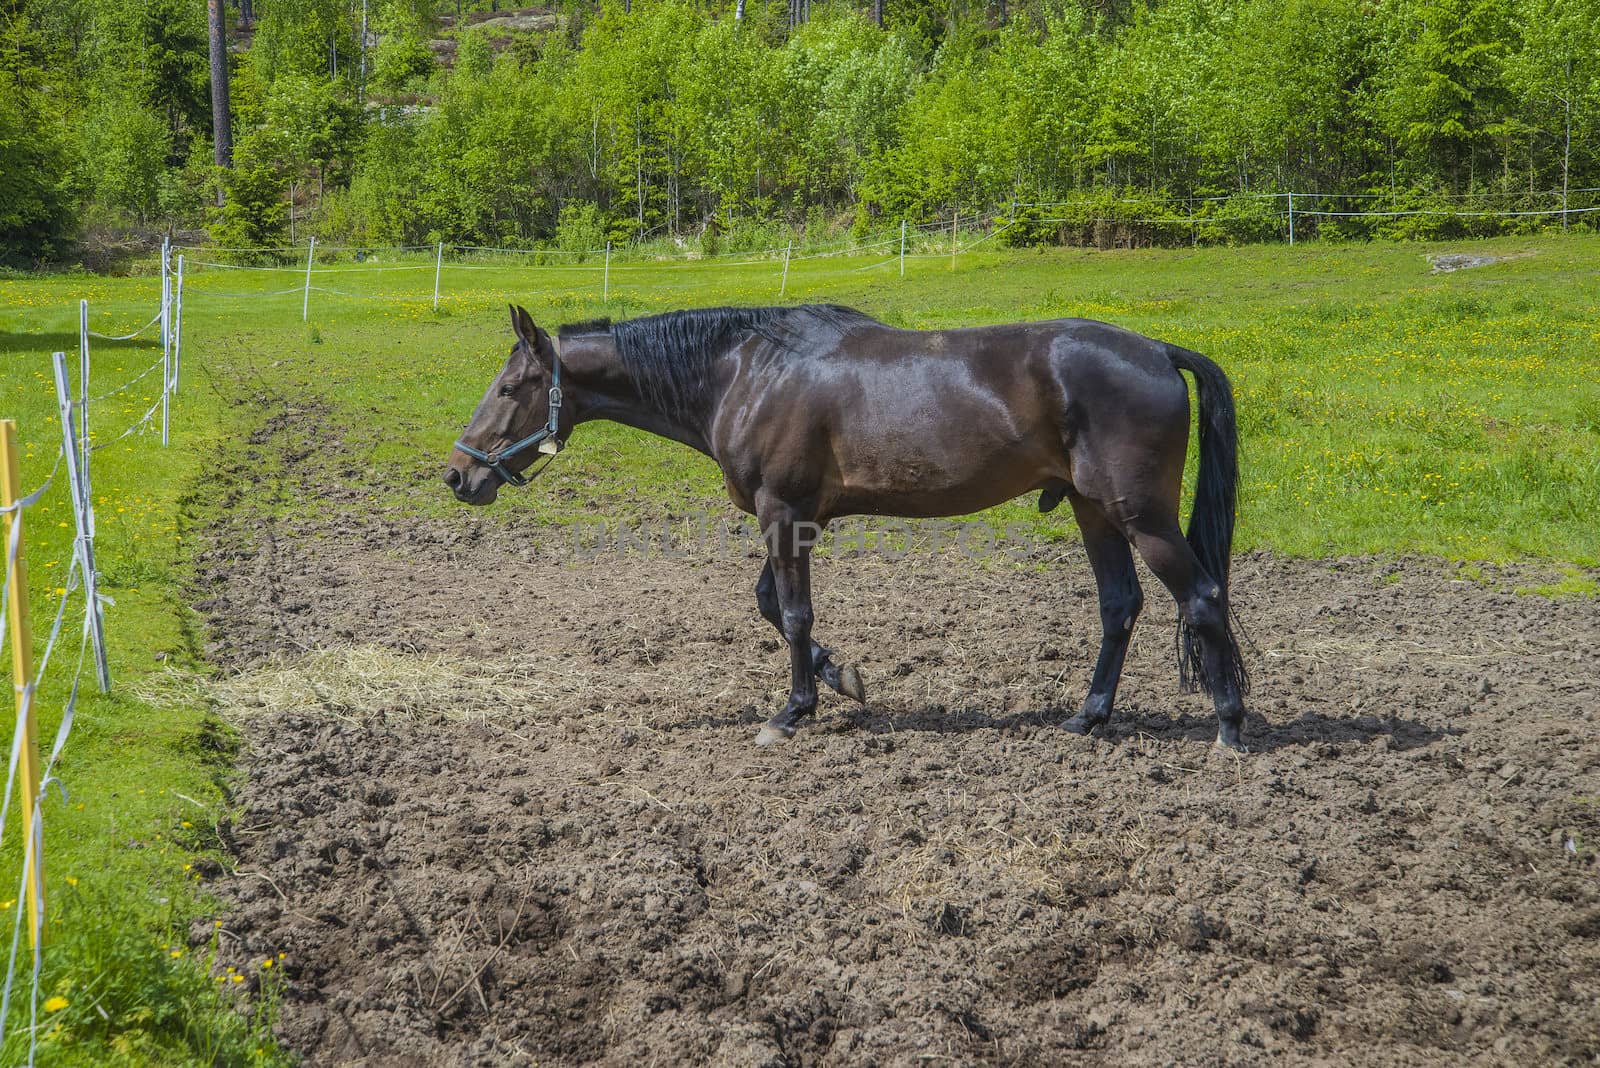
(21, 676)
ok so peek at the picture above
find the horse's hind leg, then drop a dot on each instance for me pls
(1120, 602)
(845, 680)
(1213, 666)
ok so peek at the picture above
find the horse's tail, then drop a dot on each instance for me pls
(1211, 523)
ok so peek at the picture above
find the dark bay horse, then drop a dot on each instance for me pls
(818, 412)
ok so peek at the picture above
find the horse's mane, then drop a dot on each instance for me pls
(669, 356)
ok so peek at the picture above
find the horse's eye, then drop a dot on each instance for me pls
(508, 391)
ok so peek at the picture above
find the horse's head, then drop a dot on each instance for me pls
(519, 416)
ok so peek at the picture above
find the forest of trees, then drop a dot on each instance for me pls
(640, 119)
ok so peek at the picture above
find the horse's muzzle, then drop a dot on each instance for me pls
(479, 491)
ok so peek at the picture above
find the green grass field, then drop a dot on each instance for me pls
(1383, 410)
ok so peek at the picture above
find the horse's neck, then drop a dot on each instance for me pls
(605, 390)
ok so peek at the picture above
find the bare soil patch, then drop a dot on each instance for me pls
(558, 846)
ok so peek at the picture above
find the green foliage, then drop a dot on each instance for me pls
(130, 145)
(1442, 89)
(176, 70)
(38, 208)
(1556, 78)
(383, 195)
(847, 85)
(153, 53)
(255, 212)
(474, 55)
(313, 38)
(663, 115)
(308, 123)
(580, 229)
(403, 58)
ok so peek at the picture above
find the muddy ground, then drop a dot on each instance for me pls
(500, 807)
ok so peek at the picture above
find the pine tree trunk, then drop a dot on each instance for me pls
(221, 113)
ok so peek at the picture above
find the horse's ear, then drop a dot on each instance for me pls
(522, 325)
(537, 340)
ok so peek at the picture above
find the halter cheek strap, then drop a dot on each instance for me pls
(496, 460)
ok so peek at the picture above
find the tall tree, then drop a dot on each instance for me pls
(1444, 86)
(1557, 74)
(38, 201)
(221, 112)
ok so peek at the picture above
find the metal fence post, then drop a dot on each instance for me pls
(83, 386)
(1291, 218)
(605, 285)
(80, 513)
(166, 299)
(305, 302)
(902, 248)
(438, 265)
(784, 287)
(166, 345)
(177, 329)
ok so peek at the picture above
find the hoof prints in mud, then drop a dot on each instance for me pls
(604, 868)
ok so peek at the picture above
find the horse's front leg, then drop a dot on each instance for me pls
(789, 544)
(843, 678)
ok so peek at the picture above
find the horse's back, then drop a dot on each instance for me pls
(937, 422)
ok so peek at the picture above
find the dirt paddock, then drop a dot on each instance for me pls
(500, 807)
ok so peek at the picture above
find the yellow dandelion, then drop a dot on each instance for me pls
(55, 1004)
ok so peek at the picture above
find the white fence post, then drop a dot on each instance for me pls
(166, 342)
(177, 329)
(605, 286)
(166, 299)
(902, 248)
(954, 220)
(784, 287)
(85, 540)
(166, 395)
(1291, 218)
(438, 265)
(305, 303)
(83, 393)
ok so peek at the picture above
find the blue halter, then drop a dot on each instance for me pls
(497, 460)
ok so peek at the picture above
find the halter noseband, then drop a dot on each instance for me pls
(549, 432)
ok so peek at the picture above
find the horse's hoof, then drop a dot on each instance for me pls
(1233, 744)
(1080, 724)
(770, 735)
(850, 684)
